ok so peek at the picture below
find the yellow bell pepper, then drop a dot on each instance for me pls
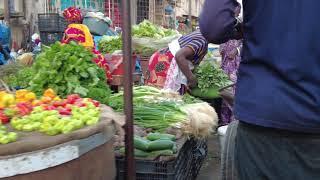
(30, 96)
(7, 100)
(21, 93)
(49, 93)
(57, 98)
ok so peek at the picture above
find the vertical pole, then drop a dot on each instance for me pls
(126, 35)
(190, 15)
(6, 12)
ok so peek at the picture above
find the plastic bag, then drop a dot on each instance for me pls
(5, 35)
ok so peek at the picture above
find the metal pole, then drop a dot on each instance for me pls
(190, 15)
(127, 54)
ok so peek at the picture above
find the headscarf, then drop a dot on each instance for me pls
(73, 15)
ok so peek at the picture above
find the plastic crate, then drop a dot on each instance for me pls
(48, 38)
(51, 22)
(185, 167)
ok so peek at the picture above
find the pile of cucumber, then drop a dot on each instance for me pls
(154, 145)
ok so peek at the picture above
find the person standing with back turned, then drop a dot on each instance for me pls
(278, 90)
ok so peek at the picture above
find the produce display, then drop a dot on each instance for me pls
(148, 29)
(67, 69)
(154, 145)
(49, 114)
(158, 111)
(210, 79)
(152, 107)
(16, 74)
(149, 38)
(110, 44)
(5, 136)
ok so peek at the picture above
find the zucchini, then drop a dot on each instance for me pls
(137, 153)
(156, 136)
(140, 143)
(166, 152)
(160, 144)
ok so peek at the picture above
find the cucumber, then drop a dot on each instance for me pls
(166, 152)
(161, 144)
(175, 148)
(140, 143)
(156, 136)
(137, 153)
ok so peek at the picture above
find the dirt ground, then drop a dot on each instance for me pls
(211, 167)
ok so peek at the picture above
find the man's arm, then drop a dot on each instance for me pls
(218, 23)
(183, 58)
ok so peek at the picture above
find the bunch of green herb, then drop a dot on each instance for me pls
(110, 44)
(211, 76)
(68, 69)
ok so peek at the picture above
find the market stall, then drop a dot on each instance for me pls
(55, 128)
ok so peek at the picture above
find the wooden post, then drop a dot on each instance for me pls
(6, 12)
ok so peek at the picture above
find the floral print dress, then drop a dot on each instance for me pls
(231, 58)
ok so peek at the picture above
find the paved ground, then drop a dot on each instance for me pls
(211, 167)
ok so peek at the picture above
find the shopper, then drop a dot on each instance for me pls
(172, 67)
(277, 97)
(230, 52)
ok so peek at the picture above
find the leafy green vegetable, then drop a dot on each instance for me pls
(211, 76)
(147, 29)
(20, 78)
(110, 44)
(68, 69)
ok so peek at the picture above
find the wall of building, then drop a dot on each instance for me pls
(182, 8)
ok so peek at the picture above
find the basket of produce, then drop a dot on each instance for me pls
(210, 80)
(149, 38)
(163, 122)
(178, 167)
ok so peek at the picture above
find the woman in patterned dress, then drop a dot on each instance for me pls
(230, 52)
(193, 48)
(80, 33)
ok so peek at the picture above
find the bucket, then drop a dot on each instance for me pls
(117, 66)
(222, 131)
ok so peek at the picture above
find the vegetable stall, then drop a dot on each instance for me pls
(56, 125)
(147, 39)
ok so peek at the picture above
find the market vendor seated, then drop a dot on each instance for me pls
(80, 33)
(171, 68)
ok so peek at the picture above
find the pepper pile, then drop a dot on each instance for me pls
(49, 114)
(7, 137)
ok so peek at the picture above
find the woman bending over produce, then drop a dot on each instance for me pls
(80, 33)
(171, 68)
